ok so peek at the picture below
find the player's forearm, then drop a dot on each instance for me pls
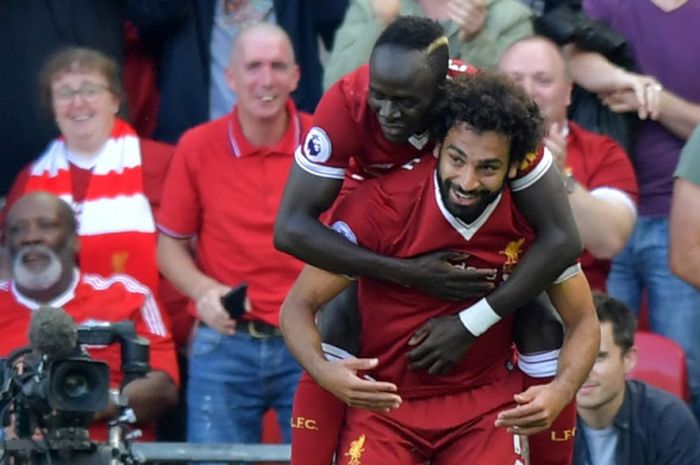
(574, 302)
(309, 240)
(313, 289)
(300, 332)
(604, 224)
(177, 264)
(557, 244)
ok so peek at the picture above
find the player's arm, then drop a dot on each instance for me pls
(557, 243)
(313, 288)
(299, 232)
(539, 406)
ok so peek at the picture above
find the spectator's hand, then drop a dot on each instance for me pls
(646, 90)
(211, 311)
(556, 143)
(537, 408)
(340, 378)
(469, 15)
(385, 10)
(441, 343)
(440, 274)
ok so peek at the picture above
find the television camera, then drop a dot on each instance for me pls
(50, 391)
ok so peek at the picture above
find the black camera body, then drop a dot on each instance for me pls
(60, 395)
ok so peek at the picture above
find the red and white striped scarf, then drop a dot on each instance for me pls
(115, 222)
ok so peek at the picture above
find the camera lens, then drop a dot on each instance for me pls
(74, 385)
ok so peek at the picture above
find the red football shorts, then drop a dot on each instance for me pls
(444, 430)
(555, 446)
(317, 417)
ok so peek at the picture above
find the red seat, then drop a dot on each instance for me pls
(661, 363)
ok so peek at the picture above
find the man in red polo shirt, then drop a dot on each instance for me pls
(597, 172)
(224, 188)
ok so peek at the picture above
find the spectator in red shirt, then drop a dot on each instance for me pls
(598, 174)
(43, 245)
(224, 187)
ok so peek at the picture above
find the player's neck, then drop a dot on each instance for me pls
(263, 132)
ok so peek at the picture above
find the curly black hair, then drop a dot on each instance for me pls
(487, 101)
(420, 34)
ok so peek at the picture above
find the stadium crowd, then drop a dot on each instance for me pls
(419, 231)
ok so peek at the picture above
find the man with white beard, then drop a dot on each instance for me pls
(40, 234)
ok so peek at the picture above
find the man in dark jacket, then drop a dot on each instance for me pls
(190, 33)
(626, 422)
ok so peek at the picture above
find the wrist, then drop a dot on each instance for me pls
(478, 318)
(569, 180)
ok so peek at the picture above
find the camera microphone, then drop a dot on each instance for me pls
(53, 333)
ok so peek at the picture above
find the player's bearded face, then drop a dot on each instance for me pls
(472, 170)
(454, 198)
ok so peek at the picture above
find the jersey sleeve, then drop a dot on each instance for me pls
(531, 169)
(335, 136)
(364, 218)
(150, 324)
(614, 177)
(180, 207)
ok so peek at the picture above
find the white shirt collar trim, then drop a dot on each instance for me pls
(60, 301)
(466, 230)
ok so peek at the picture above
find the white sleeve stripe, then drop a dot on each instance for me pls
(317, 170)
(149, 311)
(615, 195)
(171, 233)
(333, 353)
(568, 273)
(533, 176)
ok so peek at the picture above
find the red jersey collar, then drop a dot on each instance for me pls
(240, 147)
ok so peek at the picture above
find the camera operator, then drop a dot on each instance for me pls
(40, 233)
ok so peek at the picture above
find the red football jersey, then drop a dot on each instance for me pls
(402, 215)
(346, 137)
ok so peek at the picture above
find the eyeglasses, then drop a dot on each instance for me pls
(89, 92)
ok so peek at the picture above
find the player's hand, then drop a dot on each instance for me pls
(442, 274)
(537, 408)
(211, 311)
(440, 345)
(469, 15)
(341, 379)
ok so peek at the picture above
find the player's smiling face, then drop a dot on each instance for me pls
(472, 169)
(402, 91)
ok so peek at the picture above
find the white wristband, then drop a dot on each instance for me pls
(479, 317)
